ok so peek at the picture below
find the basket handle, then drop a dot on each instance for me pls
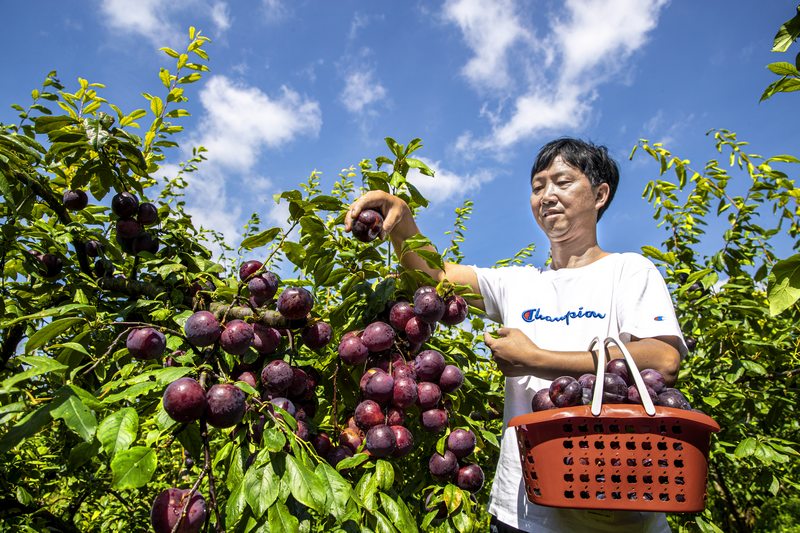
(597, 399)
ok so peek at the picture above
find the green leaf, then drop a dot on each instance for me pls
(261, 487)
(76, 416)
(31, 424)
(399, 517)
(453, 496)
(260, 239)
(273, 439)
(38, 365)
(338, 490)
(384, 473)
(50, 331)
(783, 286)
(133, 468)
(383, 524)
(746, 448)
(280, 519)
(118, 430)
(62, 310)
(304, 485)
(294, 252)
(782, 68)
(787, 34)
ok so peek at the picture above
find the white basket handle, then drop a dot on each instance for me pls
(597, 399)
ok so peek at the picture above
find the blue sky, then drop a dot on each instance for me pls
(314, 85)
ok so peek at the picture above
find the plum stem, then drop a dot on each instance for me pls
(207, 466)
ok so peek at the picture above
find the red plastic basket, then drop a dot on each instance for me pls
(616, 456)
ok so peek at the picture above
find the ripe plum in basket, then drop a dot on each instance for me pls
(541, 401)
(565, 391)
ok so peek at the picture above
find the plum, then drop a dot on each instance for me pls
(429, 307)
(461, 442)
(145, 242)
(50, 265)
(404, 440)
(263, 286)
(673, 398)
(321, 443)
(366, 376)
(127, 228)
(337, 454)
(470, 478)
(303, 431)
(379, 387)
(615, 390)
(381, 441)
(167, 511)
(299, 385)
(620, 368)
(635, 397)
(367, 225)
(295, 303)
(541, 401)
(451, 379)
(428, 395)
(443, 467)
(75, 199)
(184, 400)
(587, 381)
(284, 403)
(417, 331)
(565, 391)
(378, 336)
(202, 328)
(248, 268)
(455, 310)
(93, 248)
(147, 214)
(404, 393)
(351, 438)
(103, 268)
(429, 365)
(225, 405)
(395, 417)
(368, 414)
(237, 337)
(653, 379)
(352, 351)
(124, 205)
(146, 343)
(403, 370)
(277, 376)
(400, 314)
(265, 339)
(247, 377)
(434, 420)
(317, 335)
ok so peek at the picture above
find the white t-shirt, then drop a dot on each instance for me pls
(619, 295)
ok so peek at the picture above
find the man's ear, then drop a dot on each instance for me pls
(601, 194)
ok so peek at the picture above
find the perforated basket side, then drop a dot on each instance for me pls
(622, 459)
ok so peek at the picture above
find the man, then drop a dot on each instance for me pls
(550, 315)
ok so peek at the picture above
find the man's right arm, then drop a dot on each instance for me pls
(399, 225)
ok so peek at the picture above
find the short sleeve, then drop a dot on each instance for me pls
(490, 283)
(644, 307)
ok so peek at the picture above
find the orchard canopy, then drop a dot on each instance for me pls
(146, 383)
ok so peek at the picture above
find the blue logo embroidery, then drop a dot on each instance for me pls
(535, 314)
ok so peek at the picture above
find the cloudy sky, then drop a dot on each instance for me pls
(298, 86)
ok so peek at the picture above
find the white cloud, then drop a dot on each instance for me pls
(144, 17)
(220, 15)
(448, 185)
(237, 124)
(361, 90)
(561, 70)
(239, 120)
(490, 28)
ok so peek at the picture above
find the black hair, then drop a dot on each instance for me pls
(592, 160)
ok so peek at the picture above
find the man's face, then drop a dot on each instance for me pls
(563, 201)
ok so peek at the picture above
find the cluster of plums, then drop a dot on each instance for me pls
(392, 386)
(618, 387)
(132, 217)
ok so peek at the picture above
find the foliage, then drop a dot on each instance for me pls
(789, 74)
(84, 438)
(745, 367)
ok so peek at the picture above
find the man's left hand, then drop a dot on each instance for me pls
(513, 351)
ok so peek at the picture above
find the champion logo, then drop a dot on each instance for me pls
(530, 315)
(658, 318)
